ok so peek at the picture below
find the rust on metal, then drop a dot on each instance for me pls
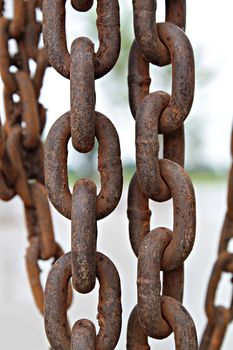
(149, 286)
(109, 166)
(82, 87)
(159, 310)
(138, 214)
(108, 25)
(21, 148)
(109, 308)
(146, 28)
(18, 21)
(136, 338)
(83, 335)
(83, 237)
(30, 111)
(147, 146)
(220, 317)
(33, 255)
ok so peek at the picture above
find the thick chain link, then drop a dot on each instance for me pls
(21, 149)
(84, 207)
(161, 249)
(159, 310)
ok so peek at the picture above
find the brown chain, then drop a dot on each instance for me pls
(84, 207)
(157, 314)
(21, 149)
(161, 249)
(220, 317)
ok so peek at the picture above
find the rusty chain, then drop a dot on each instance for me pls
(155, 113)
(21, 148)
(220, 317)
(23, 163)
(84, 207)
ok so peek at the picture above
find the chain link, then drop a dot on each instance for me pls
(83, 206)
(161, 249)
(25, 168)
(220, 317)
(21, 148)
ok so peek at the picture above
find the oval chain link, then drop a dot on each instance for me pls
(158, 313)
(21, 148)
(83, 206)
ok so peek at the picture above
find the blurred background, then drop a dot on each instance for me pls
(208, 130)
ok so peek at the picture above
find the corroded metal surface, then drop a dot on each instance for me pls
(108, 25)
(159, 310)
(82, 124)
(21, 148)
(109, 165)
(109, 307)
(220, 317)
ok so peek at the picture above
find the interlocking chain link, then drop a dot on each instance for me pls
(220, 317)
(155, 113)
(21, 149)
(22, 158)
(83, 206)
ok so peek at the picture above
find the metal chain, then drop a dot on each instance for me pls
(220, 317)
(21, 148)
(84, 207)
(156, 315)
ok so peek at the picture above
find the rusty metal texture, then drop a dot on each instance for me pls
(149, 286)
(83, 237)
(138, 214)
(83, 335)
(138, 78)
(30, 116)
(109, 308)
(7, 192)
(136, 338)
(33, 255)
(214, 333)
(21, 148)
(184, 214)
(181, 323)
(48, 246)
(183, 78)
(83, 206)
(184, 225)
(17, 23)
(220, 317)
(27, 164)
(82, 89)
(109, 166)
(146, 30)
(82, 5)
(147, 146)
(176, 316)
(33, 30)
(108, 25)
(158, 311)
(42, 64)
(7, 77)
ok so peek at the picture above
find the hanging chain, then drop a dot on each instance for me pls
(21, 148)
(156, 315)
(220, 317)
(84, 207)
